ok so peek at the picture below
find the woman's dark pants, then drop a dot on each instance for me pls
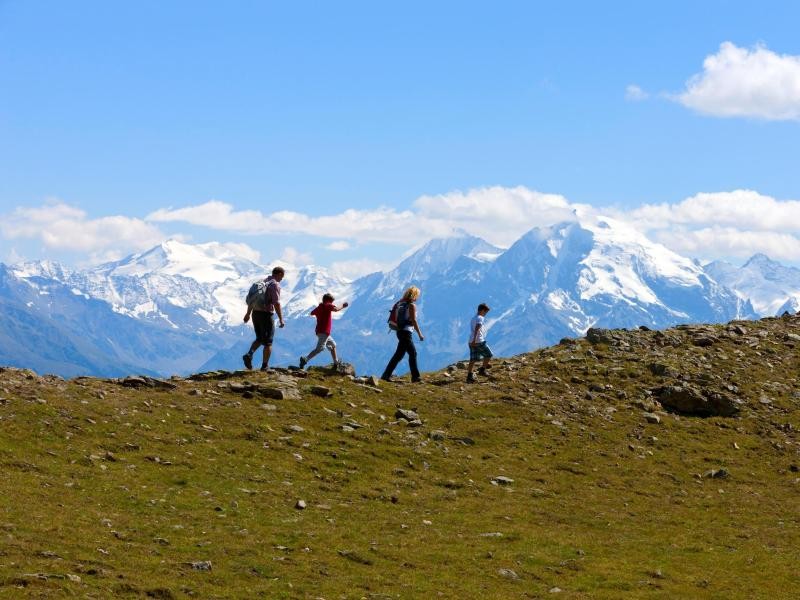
(405, 344)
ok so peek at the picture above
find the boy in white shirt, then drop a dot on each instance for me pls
(478, 349)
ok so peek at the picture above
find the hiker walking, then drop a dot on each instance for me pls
(324, 314)
(263, 302)
(405, 312)
(478, 349)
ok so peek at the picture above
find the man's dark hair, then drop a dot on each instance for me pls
(327, 298)
(278, 271)
(483, 306)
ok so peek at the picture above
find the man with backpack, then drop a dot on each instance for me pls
(263, 302)
(403, 319)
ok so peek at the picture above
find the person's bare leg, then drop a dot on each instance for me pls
(265, 359)
(333, 355)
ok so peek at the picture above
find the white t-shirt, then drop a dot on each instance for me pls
(476, 321)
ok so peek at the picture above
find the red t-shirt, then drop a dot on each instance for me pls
(323, 313)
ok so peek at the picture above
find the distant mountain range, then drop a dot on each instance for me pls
(178, 307)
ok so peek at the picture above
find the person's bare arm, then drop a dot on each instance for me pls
(412, 316)
(247, 314)
(279, 312)
(338, 308)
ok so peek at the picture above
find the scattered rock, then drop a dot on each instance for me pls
(437, 435)
(507, 573)
(201, 565)
(652, 418)
(596, 335)
(502, 480)
(408, 415)
(300, 505)
(716, 474)
(321, 391)
(689, 400)
(279, 392)
(704, 341)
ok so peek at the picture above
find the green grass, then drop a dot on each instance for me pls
(603, 504)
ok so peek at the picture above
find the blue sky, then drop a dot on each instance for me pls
(115, 115)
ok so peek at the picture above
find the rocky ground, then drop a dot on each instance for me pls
(625, 464)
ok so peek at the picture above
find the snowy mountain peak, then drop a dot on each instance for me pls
(768, 284)
(759, 260)
(41, 268)
(205, 263)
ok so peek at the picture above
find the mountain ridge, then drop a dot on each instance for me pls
(552, 282)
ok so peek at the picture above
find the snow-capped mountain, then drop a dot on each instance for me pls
(200, 287)
(551, 283)
(771, 287)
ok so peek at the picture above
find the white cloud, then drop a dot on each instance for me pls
(338, 246)
(742, 82)
(353, 269)
(60, 226)
(728, 242)
(743, 209)
(634, 93)
(735, 224)
(236, 249)
(498, 214)
(293, 257)
(380, 224)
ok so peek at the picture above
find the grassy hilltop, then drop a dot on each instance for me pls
(563, 476)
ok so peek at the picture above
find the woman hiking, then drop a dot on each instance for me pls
(406, 313)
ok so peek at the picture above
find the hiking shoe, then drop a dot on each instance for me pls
(471, 378)
(416, 380)
(248, 361)
(386, 378)
(303, 362)
(482, 371)
(266, 369)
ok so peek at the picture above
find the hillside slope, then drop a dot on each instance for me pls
(564, 474)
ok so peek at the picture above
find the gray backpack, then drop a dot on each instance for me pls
(257, 295)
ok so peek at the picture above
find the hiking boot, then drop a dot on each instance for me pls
(416, 380)
(483, 371)
(266, 369)
(471, 378)
(303, 362)
(248, 361)
(386, 378)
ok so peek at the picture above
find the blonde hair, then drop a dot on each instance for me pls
(411, 293)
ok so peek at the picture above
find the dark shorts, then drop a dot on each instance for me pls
(264, 326)
(480, 351)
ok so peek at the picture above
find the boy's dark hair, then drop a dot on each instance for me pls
(327, 298)
(483, 306)
(278, 271)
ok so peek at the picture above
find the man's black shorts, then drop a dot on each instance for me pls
(264, 327)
